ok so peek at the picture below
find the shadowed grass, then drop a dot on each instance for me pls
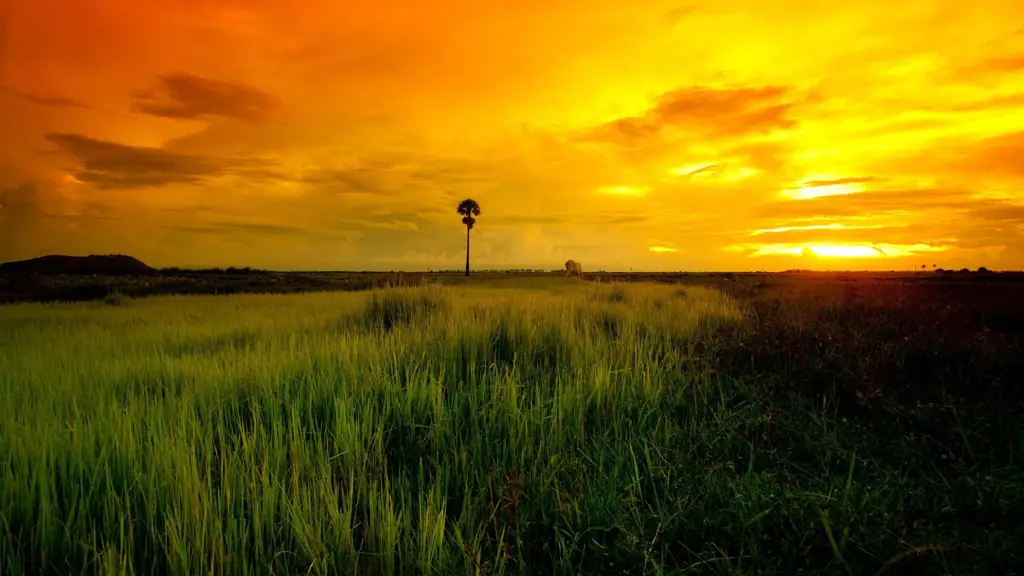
(579, 429)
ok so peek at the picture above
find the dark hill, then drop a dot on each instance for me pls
(109, 265)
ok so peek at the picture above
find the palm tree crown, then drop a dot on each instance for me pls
(469, 208)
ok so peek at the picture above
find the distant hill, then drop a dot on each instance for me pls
(108, 265)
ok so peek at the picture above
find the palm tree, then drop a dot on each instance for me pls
(468, 208)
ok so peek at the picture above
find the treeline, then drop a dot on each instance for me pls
(174, 270)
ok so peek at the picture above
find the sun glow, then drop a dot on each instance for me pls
(624, 190)
(814, 227)
(662, 249)
(822, 250)
(844, 251)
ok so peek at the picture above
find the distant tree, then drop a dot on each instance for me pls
(965, 270)
(468, 208)
(939, 270)
(923, 266)
(983, 270)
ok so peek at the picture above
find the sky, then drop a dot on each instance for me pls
(646, 135)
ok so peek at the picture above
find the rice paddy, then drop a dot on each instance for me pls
(557, 427)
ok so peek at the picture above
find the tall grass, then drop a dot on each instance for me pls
(579, 429)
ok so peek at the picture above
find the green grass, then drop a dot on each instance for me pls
(559, 427)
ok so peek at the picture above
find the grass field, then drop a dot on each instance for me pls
(523, 426)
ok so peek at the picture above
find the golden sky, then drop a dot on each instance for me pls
(652, 135)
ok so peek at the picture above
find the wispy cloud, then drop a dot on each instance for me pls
(872, 202)
(816, 227)
(838, 181)
(713, 112)
(52, 101)
(188, 97)
(835, 250)
(111, 165)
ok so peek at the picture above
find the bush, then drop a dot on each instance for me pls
(116, 299)
(391, 307)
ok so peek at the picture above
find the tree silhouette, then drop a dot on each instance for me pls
(468, 208)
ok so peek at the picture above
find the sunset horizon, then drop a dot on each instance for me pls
(728, 136)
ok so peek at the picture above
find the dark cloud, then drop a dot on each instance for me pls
(54, 101)
(112, 165)
(395, 174)
(187, 96)
(707, 111)
(364, 180)
(20, 200)
(34, 220)
(710, 168)
(1002, 212)
(819, 183)
(43, 199)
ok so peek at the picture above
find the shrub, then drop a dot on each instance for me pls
(391, 307)
(116, 298)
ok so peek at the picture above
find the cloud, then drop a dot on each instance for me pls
(889, 234)
(819, 183)
(766, 156)
(710, 168)
(111, 165)
(988, 67)
(831, 226)
(35, 218)
(992, 103)
(873, 202)
(969, 159)
(563, 219)
(679, 13)
(845, 250)
(715, 112)
(1002, 212)
(244, 227)
(188, 97)
(53, 101)
(20, 200)
(361, 179)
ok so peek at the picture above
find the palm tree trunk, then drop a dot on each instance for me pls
(467, 250)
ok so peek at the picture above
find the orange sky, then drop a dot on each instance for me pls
(654, 135)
